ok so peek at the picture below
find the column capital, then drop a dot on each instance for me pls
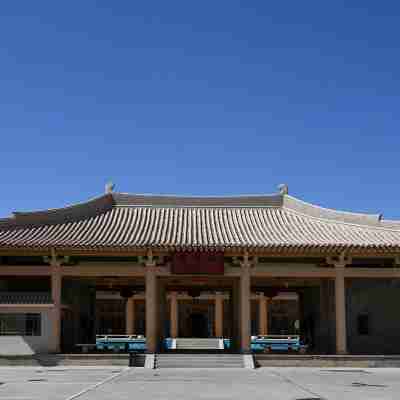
(154, 268)
(247, 263)
(54, 260)
(339, 261)
(153, 263)
(150, 261)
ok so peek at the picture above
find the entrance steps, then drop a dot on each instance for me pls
(170, 360)
(199, 344)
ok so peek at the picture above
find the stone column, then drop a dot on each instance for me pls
(340, 309)
(130, 316)
(162, 311)
(174, 314)
(151, 307)
(245, 291)
(235, 315)
(219, 315)
(263, 315)
(56, 286)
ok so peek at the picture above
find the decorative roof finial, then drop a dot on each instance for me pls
(109, 187)
(283, 188)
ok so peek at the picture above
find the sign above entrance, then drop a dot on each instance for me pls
(198, 263)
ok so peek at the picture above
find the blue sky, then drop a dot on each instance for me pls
(210, 97)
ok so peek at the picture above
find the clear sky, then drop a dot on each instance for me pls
(200, 97)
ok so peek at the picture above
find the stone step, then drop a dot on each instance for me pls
(199, 361)
(187, 344)
(212, 344)
(204, 344)
(190, 356)
(197, 341)
(197, 365)
(197, 344)
(183, 347)
(201, 366)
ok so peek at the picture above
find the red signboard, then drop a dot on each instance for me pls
(198, 263)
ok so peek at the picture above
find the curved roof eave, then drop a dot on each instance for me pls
(65, 214)
(317, 250)
(312, 210)
(103, 203)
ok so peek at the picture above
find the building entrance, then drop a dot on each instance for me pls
(196, 318)
(198, 325)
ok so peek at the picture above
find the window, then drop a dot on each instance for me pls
(363, 324)
(20, 324)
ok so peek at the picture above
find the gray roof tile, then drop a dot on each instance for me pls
(121, 221)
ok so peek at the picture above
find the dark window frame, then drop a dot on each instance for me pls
(20, 324)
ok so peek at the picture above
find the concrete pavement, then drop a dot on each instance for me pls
(98, 383)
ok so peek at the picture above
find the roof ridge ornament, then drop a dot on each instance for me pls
(283, 189)
(109, 188)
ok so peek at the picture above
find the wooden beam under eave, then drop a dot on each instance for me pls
(317, 253)
(31, 270)
(276, 272)
(275, 253)
(110, 270)
(22, 252)
(375, 273)
(286, 273)
(79, 252)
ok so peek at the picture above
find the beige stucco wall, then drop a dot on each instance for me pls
(27, 345)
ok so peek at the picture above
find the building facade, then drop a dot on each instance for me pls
(224, 267)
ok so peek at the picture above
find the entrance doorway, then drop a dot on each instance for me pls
(198, 325)
(196, 318)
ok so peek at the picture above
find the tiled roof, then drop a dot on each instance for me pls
(25, 298)
(130, 222)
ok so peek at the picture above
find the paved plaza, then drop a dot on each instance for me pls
(87, 383)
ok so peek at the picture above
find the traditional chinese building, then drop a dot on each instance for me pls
(168, 266)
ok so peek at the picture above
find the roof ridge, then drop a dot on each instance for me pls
(197, 196)
(126, 199)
